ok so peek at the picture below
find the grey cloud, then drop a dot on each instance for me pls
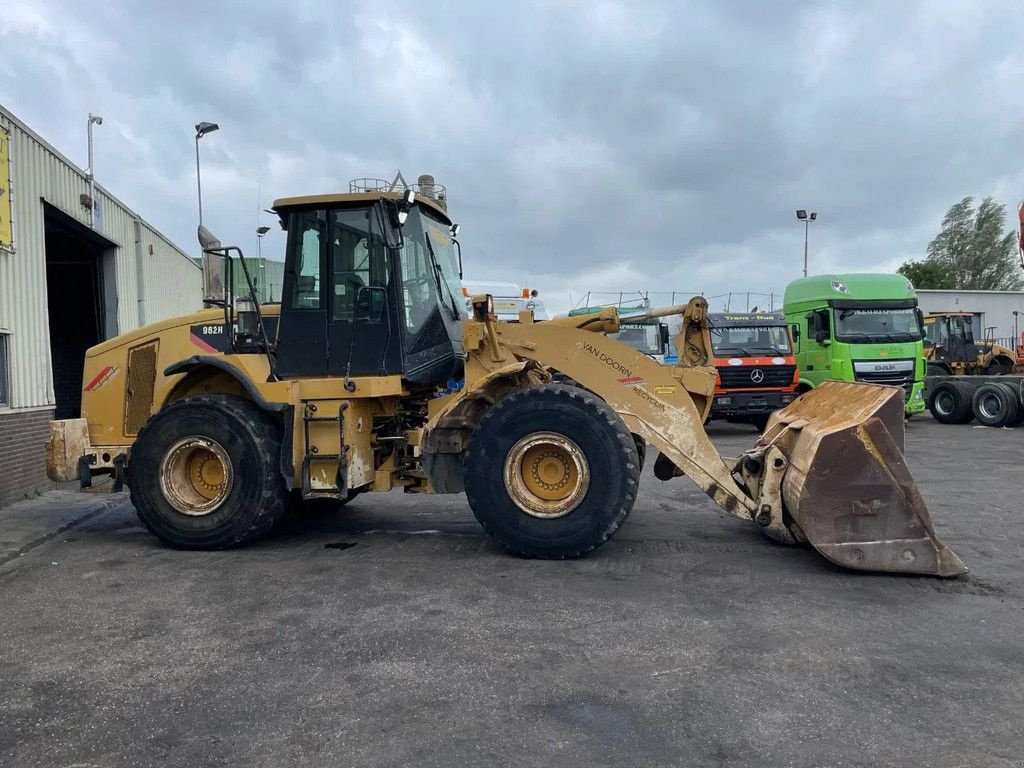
(585, 145)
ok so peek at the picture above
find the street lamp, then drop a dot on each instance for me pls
(93, 120)
(260, 233)
(806, 218)
(201, 130)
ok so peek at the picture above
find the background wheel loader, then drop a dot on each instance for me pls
(215, 419)
(951, 349)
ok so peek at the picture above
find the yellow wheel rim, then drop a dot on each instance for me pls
(546, 475)
(196, 476)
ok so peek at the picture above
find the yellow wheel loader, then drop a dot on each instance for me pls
(217, 420)
(950, 348)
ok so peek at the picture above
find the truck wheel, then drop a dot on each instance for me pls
(995, 405)
(551, 472)
(204, 473)
(949, 405)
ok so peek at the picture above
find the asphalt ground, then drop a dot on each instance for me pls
(396, 633)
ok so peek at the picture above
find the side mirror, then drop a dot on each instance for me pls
(390, 225)
(796, 333)
(663, 328)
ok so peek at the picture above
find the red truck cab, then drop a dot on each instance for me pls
(756, 368)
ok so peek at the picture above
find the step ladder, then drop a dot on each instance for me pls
(311, 455)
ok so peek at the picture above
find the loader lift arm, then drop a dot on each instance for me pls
(828, 471)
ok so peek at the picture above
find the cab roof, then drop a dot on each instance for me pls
(347, 199)
(863, 286)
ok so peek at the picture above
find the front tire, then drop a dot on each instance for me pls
(551, 472)
(204, 473)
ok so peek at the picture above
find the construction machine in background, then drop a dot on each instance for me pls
(649, 336)
(950, 348)
(509, 299)
(217, 419)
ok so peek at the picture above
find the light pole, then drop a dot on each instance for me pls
(260, 233)
(806, 218)
(1016, 330)
(201, 130)
(93, 120)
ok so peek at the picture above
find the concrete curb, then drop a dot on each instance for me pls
(87, 513)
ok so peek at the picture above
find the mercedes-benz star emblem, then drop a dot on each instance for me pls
(757, 375)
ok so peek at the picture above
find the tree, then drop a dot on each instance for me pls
(973, 251)
(927, 274)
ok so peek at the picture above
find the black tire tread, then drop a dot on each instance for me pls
(962, 411)
(1008, 400)
(272, 504)
(628, 451)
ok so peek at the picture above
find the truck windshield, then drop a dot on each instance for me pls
(750, 340)
(643, 338)
(877, 324)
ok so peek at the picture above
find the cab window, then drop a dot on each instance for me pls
(359, 266)
(305, 235)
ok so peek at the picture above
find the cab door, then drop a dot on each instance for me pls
(817, 352)
(302, 329)
(364, 337)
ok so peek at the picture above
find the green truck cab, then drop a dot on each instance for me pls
(858, 327)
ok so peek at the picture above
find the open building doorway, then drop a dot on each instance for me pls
(81, 302)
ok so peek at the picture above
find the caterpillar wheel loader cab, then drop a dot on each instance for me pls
(217, 419)
(950, 347)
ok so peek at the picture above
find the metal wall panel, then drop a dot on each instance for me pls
(995, 307)
(170, 281)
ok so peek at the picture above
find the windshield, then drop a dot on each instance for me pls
(750, 340)
(877, 324)
(443, 248)
(644, 338)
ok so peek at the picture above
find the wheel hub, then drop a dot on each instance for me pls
(944, 403)
(196, 476)
(546, 475)
(989, 406)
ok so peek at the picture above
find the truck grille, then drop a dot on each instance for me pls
(901, 374)
(755, 376)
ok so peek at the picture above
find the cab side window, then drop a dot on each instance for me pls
(818, 326)
(305, 235)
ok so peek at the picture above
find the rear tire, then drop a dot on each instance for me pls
(551, 472)
(949, 405)
(995, 405)
(204, 473)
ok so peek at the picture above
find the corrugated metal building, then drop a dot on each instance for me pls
(994, 309)
(64, 286)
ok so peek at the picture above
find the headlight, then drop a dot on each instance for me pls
(723, 400)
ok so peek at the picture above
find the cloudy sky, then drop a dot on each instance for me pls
(586, 146)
